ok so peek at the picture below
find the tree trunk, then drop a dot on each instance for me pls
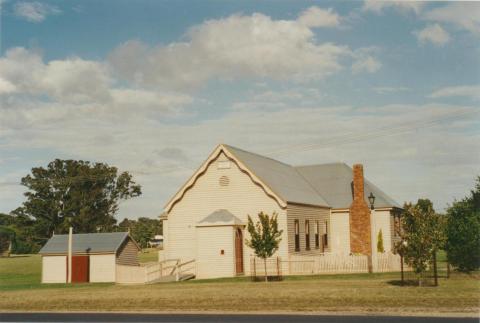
(265, 266)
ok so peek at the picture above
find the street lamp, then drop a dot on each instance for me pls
(371, 199)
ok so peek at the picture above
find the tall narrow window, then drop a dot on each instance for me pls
(297, 236)
(325, 236)
(317, 233)
(307, 234)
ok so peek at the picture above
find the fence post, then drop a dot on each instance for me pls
(254, 269)
(435, 273)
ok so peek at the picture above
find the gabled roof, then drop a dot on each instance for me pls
(220, 217)
(283, 179)
(326, 185)
(86, 243)
(334, 183)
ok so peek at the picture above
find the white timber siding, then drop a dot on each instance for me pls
(382, 221)
(102, 268)
(54, 269)
(241, 197)
(312, 214)
(128, 254)
(340, 233)
(210, 243)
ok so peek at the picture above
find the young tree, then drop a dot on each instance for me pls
(422, 234)
(463, 232)
(264, 237)
(380, 247)
(75, 193)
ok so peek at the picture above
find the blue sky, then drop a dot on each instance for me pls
(153, 86)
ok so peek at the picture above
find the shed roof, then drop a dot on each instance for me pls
(85, 243)
(220, 217)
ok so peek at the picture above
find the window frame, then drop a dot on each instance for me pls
(317, 234)
(307, 234)
(296, 231)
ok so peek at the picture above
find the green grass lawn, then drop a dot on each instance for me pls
(20, 289)
(148, 255)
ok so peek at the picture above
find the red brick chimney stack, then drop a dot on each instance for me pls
(360, 234)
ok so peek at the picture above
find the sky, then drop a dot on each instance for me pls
(152, 87)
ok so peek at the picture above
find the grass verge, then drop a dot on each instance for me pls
(20, 290)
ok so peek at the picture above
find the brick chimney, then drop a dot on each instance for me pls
(360, 232)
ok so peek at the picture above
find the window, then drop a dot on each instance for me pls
(317, 233)
(307, 234)
(297, 236)
(325, 236)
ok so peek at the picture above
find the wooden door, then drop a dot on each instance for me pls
(238, 251)
(80, 269)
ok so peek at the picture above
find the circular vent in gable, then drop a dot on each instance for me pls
(224, 180)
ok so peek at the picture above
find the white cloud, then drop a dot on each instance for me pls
(234, 47)
(404, 6)
(70, 80)
(318, 17)
(34, 11)
(470, 91)
(434, 34)
(366, 63)
(463, 15)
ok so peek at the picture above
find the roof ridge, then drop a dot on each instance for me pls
(83, 233)
(256, 154)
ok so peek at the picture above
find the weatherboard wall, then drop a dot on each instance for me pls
(102, 268)
(128, 254)
(222, 186)
(340, 233)
(303, 213)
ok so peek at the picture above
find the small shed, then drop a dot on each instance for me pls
(94, 257)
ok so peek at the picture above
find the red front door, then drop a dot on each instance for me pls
(238, 251)
(80, 269)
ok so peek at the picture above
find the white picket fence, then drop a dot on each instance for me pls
(386, 262)
(339, 264)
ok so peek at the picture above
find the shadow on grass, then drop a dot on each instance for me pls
(410, 282)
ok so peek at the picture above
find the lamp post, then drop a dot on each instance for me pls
(371, 199)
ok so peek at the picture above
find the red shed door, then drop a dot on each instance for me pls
(80, 269)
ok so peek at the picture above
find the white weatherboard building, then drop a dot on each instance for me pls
(94, 257)
(206, 219)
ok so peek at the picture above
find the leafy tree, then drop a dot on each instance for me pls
(422, 234)
(463, 232)
(380, 247)
(20, 229)
(75, 193)
(7, 238)
(141, 230)
(264, 237)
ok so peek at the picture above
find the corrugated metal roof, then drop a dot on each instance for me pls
(222, 217)
(334, 183)
(85, 242)
(281, 178)
(322, 185)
